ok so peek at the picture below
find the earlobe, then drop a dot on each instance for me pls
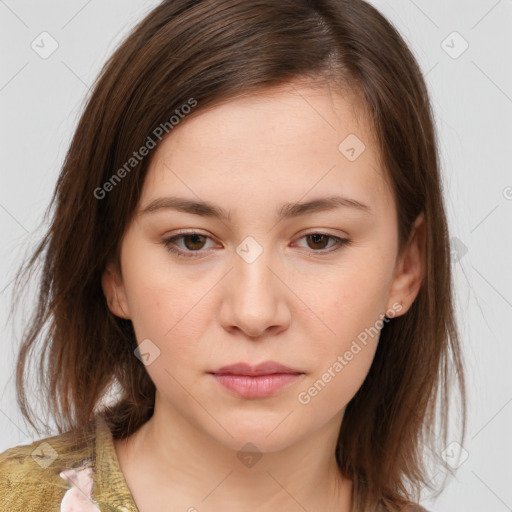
(410, 269)
(114, 292)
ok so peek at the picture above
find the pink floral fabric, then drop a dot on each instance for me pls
(78, 497)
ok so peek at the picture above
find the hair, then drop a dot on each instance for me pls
(204, 52)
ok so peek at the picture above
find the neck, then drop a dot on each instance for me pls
(186, 466)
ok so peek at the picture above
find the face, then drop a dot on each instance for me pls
(275, 267)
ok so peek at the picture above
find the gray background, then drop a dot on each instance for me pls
(40, 100)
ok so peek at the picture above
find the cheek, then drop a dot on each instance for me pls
(351, 305)
(167, 314)
(162, 300)
(336, 383)
(354, 295)
(353, 311)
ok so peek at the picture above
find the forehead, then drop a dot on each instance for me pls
(288, 141)
(288, 114)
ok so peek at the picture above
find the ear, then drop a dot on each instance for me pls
(113, 289)
(410, 269)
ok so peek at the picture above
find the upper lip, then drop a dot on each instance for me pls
(266, 368)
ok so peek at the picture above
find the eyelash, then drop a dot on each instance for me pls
(170, 246)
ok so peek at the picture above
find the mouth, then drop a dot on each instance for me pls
(266, 368)
(263, 380)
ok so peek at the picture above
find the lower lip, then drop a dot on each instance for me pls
(259, 386)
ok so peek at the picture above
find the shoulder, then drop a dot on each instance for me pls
(27, 481)
(34, 477)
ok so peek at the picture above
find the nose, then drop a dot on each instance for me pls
(255, 297)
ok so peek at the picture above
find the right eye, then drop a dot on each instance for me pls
(194, 242)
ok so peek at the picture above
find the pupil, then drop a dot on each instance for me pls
(194, 237)
(315, 238)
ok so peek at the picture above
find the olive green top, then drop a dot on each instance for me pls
(61, 474)
(64, 474)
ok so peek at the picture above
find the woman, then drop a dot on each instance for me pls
(247, 274)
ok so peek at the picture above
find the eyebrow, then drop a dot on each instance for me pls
(286, 211)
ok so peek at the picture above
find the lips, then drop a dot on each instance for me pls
(255, 382)
(266, 368)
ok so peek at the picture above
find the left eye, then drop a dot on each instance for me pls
(194, 242)
(321, 238)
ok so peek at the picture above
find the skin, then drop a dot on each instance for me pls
(297, 303)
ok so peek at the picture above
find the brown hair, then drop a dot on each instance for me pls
(203, 52)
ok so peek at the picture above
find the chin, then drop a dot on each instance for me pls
(267, 435)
